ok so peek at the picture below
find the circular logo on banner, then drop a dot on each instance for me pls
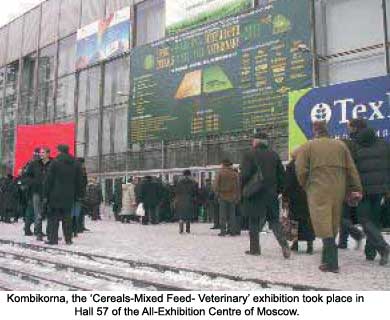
(321, 112)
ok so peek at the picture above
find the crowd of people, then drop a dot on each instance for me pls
(53, 189)
(327, 188)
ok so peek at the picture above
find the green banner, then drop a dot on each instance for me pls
(296, 137)
(229, 76)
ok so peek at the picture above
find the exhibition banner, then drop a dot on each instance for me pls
(228, 76)
(367, 99)
(186, 14)
(29, 137)
(103, 39)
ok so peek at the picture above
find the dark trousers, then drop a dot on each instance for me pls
(215, 213)
(151, 215)
(269, 211)
(188, 226)
(95, 212)
(369, 211)
(54, 218)
(348, 229)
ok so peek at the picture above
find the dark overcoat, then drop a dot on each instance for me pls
(298, 207)
(273, 174)
(62, 182)
(186, 192)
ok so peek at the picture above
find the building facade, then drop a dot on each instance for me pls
(40, 84)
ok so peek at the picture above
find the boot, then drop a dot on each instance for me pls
(254, 244)
(294, 246)
(181, 227)
(309, 247)
(329, 256)
(188, 227)
(385, 257)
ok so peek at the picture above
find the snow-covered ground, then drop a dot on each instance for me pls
(204, 250)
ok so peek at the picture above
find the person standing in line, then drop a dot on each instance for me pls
(372, 158)
(35, 175)
(83, 190)
(129, 203)
(61, 188)
(186, 192)
(9, 198)
(94, 198)
(326, 171)
(264, 205)
(150, 196)
(227, 188)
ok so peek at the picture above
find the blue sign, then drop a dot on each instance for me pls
(367, 99)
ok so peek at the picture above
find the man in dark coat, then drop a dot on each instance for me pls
(264, 205)
(295, 199)
(9, 198)
(372, 157)
(83, 190)
(347, 227)
(150, 195)
(60, 191)
(186, 192)
(94, 198)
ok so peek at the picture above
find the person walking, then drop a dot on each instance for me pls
(372, 158)
(326, 171)
(263, 205)
(186, 192)
(60, 191)
(227, 189)
(295, 200)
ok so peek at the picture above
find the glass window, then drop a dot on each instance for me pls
(150, 21)
(65, 97)
(49, 24)
(115, 5)
(117, 82)
(89, 89)
(31, 30)
(46, 74)
(67, 56)
(26, 108)
(8, 138)
(80, 142)
(10, 100)
(15, 46)
(92, 10)
(92, 135)
(346, 25)
(69, 17)
(107, 129)
(3, 45)
(120, 132)
(2, 83)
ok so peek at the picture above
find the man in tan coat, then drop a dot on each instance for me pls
(326, 171)
(227, 189)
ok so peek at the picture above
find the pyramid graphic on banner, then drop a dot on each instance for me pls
(214, 79)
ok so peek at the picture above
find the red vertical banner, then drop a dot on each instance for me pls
(29, 137)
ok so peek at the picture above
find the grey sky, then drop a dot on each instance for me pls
(10, 9)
